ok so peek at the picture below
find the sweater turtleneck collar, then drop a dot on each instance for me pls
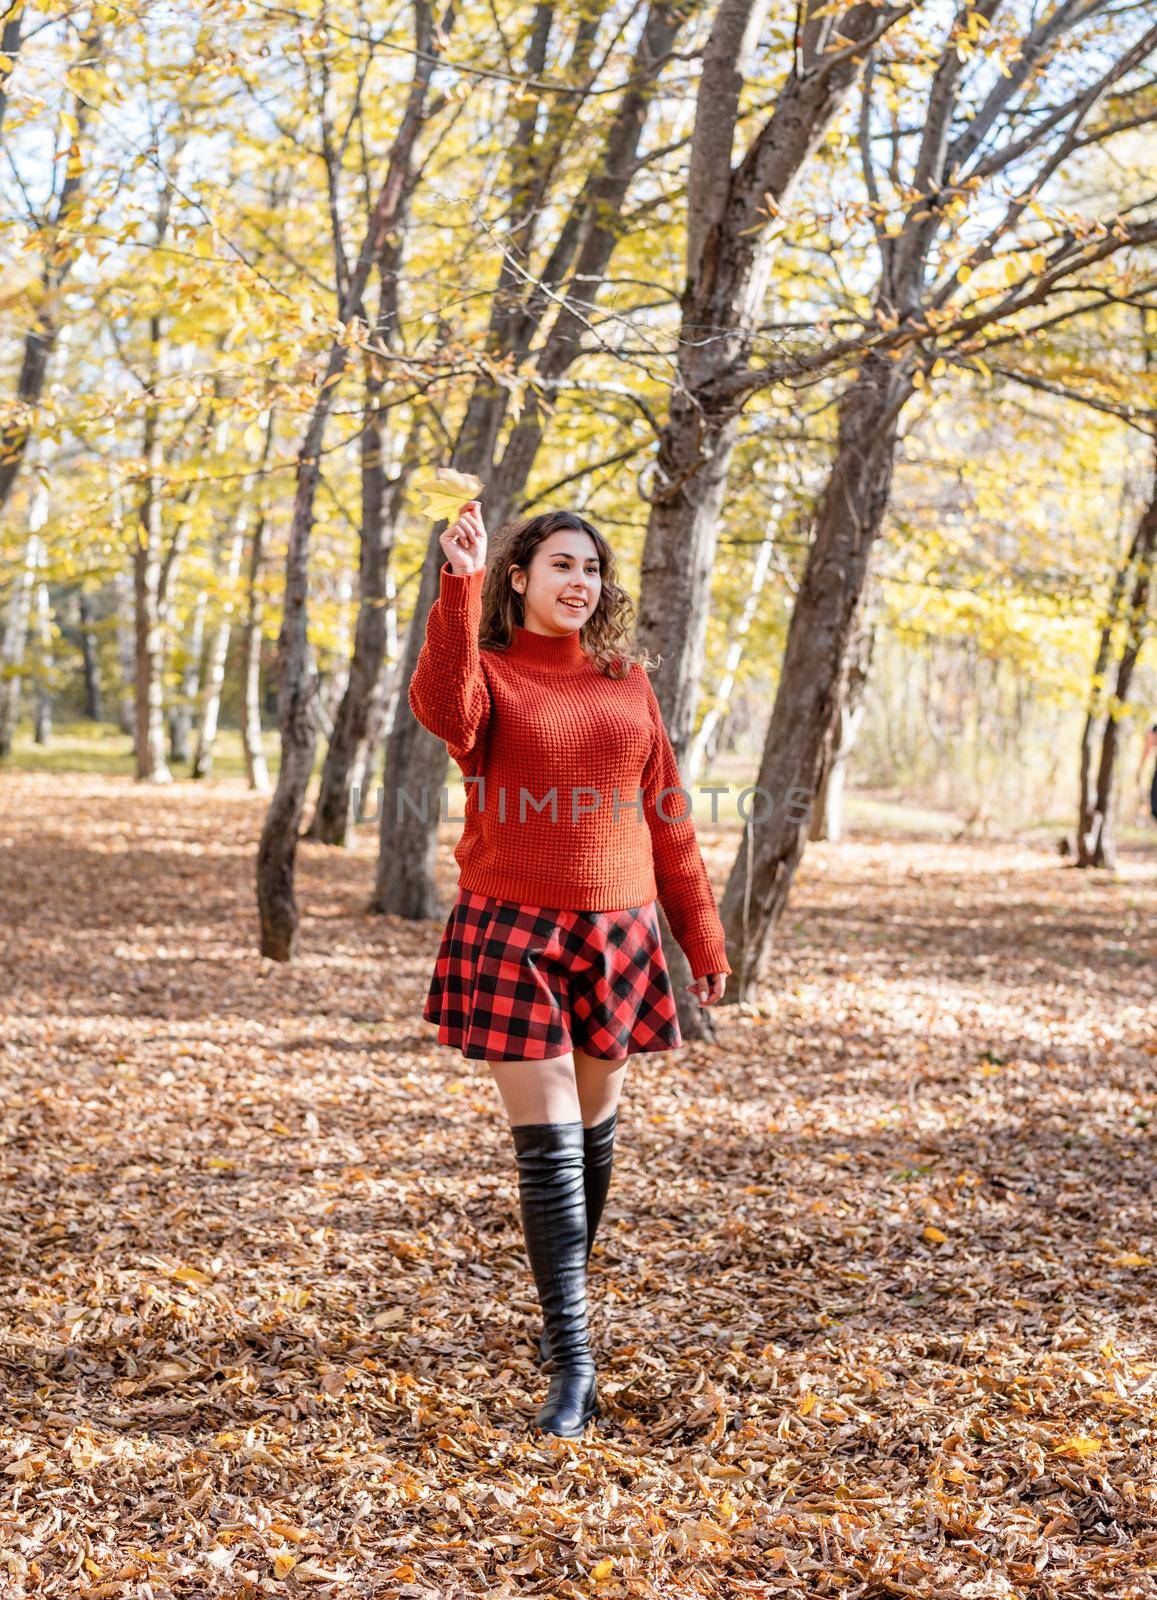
(563, 653)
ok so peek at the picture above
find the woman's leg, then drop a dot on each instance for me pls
(599, 1084)
(538, 1091)
(560, 1090)
(542, 1106)
(597, 1087)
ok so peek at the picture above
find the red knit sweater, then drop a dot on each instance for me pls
(539, 720)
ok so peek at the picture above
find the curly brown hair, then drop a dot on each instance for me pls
(607, 636)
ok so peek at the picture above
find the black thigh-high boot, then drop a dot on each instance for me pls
(598, 1159)
(552, 1201)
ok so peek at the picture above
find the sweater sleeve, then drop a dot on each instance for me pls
(684, 889)
(449, 694)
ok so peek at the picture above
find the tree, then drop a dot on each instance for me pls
(277, 851)
(1132, 584)
(61, 232)
(992, 124)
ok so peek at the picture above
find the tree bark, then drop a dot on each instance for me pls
(42, 712)
(148, 578)
(728, 264)
(15, 642)
(219, 650)
(702, 746)
(1096, 836)
(181, 714)
(93, 701)
(828, 819)
(127, 651)
(803, 719)
(256, 767)
(729, 256)
(334, 819)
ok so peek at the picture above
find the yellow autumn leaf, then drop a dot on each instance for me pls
(1130, 1258)
(192, 1275)
(807, 1404)
(1079, 1445)
(1038, 261)
(939, 367)
(283, 1564)
(963, 274)
(917, 380)
(444, 491)
(935, 1235)
(602, 1570)
(288, 1530)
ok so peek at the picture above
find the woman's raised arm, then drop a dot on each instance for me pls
(449, 694)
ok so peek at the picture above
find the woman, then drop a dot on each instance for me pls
(551, 967)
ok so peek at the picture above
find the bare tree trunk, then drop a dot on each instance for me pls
(181, 714)
(822, 627)
(382, 710)
(339, 793)
(93, 703)
(15, 641)
(42, 713)
(729, 254)
(701, 744)
(219, 650)
(149, 630)
(333, 820)
(277, 852)
(416, 765)
(1096, 839)
(256, 767)
(828, 819)
(126, 652)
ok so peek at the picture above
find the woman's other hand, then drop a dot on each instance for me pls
(709, 989)
(464, 542)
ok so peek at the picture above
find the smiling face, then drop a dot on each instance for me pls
(561, 588)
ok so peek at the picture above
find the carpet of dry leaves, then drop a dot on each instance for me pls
(874, 1295)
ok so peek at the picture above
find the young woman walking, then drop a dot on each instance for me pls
(551, 968)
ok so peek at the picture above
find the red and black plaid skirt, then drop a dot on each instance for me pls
(519, 982)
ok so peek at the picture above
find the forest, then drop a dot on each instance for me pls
(839, 320)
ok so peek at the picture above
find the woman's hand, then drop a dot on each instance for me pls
(464, 542)
(709, 989)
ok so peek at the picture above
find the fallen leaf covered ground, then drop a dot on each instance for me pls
(873, 1297)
